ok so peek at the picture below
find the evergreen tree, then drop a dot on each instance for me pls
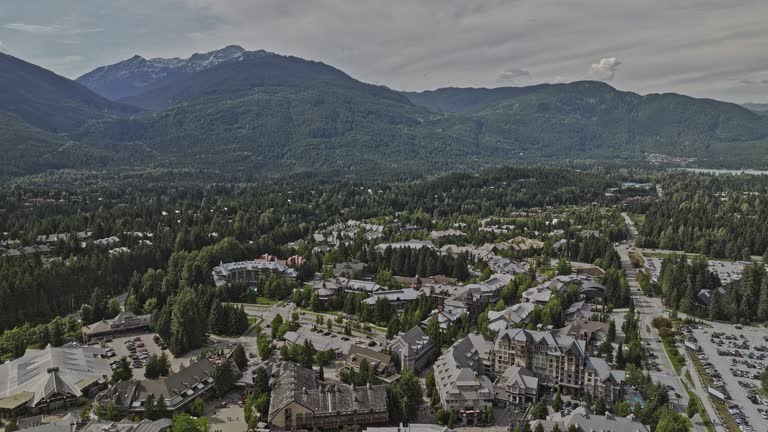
(611, 330)
(161, 410)
(557, 402)
(241, 360)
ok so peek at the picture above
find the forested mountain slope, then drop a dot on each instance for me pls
(49, 101)
(262, 113)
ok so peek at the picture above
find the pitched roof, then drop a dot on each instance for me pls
(299, 385)
(379, 361)
(521, 377)
(552, 339)
(41, 372)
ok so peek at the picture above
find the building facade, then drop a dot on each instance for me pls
(299, 401)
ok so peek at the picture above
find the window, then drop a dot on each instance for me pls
(288, 418)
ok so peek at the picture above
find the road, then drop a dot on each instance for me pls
(647, 309)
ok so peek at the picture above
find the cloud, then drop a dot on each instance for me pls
(745, 81)
(605, 70)
(514, 75)
(46, 29)
(32, 28)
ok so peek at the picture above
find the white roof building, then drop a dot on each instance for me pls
(51, 373)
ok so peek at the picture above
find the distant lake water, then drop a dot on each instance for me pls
(723, 171)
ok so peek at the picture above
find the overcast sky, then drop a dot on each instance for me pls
(705, 48)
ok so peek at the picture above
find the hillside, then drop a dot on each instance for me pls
(265, 114)
(48, 101)
(757, 107)
(592, 120)
(138, 75)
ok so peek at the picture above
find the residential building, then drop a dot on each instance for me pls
(513, 315)
(124, 322)
(178, 389)
(584, 421)
(249, 272)
(412, 244)
(348, 269)
(413, 349)
(591, 332)
(461, 381)
(397, 298)
(559, 361)
(437, 235)
(319, 343)
(299, 401)
(380, 363)
(412, 427)
(50, 379)
(41, 424)
(516, 388)
(127, 425)
(602, 381)
(579, 310)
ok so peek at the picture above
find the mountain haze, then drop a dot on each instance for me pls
(265, 113)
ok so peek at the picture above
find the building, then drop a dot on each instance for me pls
(461, 381)
(591, 332)
(584, 421)
(515, 314)
(704, 296)
(516, 388)
(381, 363)
(249, 272)
(559, 361)
(368, 287)
(50, 379)
(348, 269)
(178, 389)
(127, 425)
(452, 233)
(413, 349)
(579, 310)
(299, 401)
(602, 381)
(397, 298)
(541, 293)
(124, 322)
(319, 343)
(413, 427)
(411, 244)
(41, 424)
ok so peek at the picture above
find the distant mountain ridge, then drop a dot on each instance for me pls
(49, 101)
(138, 75)
(271, 114)
(756, 107)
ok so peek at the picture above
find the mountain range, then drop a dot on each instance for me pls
(267, 114)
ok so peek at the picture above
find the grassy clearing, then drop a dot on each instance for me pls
(689, 378)
(265, 301)
(677, 359)
(637, 219)
(662, 255)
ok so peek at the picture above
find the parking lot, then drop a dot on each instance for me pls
(142, 345)
(735, 358)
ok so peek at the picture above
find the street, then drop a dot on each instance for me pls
(647, 309)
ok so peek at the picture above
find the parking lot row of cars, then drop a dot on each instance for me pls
(739, 353)
(138, 354)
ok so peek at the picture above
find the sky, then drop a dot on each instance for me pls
(703, 48)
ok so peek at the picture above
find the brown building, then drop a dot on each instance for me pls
(299, 401)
